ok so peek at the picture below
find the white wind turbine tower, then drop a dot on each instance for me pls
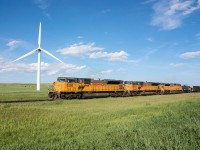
(39, 49)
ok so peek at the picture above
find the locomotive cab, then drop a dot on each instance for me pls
(68, 87)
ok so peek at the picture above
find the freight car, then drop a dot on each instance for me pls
(187, 89)
(196, 89)
(72, 88)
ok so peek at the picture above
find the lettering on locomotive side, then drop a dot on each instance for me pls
(70, 85)
(98, 84)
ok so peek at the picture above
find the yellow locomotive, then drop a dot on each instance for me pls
(150, 88)
(71, 88)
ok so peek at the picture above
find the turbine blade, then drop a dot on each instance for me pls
(39, 36)
(51, 55)
(27, 54)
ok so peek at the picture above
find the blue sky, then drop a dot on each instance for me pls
(149, 40)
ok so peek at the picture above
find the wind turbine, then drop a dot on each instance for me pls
(39, 49)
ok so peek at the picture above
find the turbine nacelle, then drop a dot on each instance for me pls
(39, 50)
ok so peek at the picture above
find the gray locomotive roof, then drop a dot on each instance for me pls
(74, 78)
(133, 82)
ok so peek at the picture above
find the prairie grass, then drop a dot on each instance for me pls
(143, 122)
(22, 92)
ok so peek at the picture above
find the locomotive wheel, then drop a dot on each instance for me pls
(69, 96)
(62, 96)
(113, 94)
(78, 96)
(53, 96)
(120, 94)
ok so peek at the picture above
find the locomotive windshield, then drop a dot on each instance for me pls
(66, 79)
(74, 80)
(61, 79)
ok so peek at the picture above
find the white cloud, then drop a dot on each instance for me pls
(50, 69)
(78, 49)
(150, 39)
(1, 60)
(110, 56)
(79, 37)
(152, 51)
(106, 72)
(10, 67)
(176, 64)
(198, 36)
(43, 5)
(169, 14)
(189, 55)
(105, 11)
(88, 50)
(13, 44)
(148, 1)
(65, 69)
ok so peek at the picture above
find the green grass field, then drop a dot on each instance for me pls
(142, 122)
(23, 92)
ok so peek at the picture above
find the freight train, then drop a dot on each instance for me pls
(79, 88)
